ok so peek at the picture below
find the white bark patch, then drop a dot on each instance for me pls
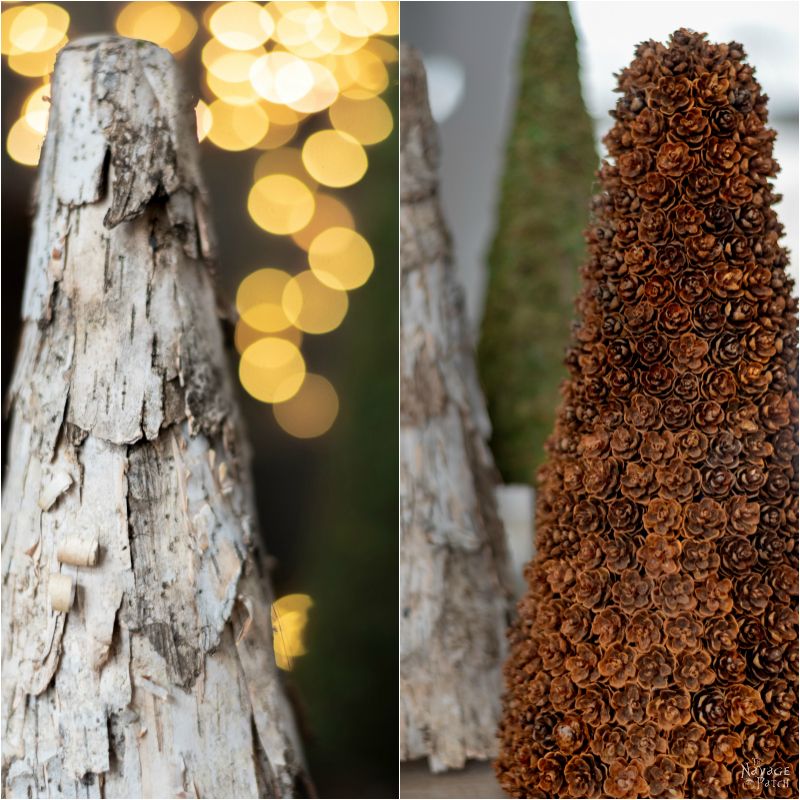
(454, 583)
(120, 394)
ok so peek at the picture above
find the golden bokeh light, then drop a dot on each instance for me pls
(36, 109)
(244, 336)
(241, 25)
(236, 93)
(392, 26)
(272, 369)
(282, 77)
(334, 158)
(289, 616)
(280, 204)
(312, 411)
(284, 161)
(232, 66)
(385, 51)
(259, 300)
(361, 18)
(312, 306)
(36, 28)
(367, 121)
(168, 25)
(204, 119)
(361, 75)
(24, 143)
(323, 92)
(7, 19)
(329, 213)
(277, 136)
(341, 258)
(35, 64)
(237, 127)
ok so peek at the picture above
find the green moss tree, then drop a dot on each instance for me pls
(538, 246)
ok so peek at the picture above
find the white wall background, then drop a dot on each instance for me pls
(472, 49)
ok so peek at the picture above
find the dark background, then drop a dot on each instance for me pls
(328, 507)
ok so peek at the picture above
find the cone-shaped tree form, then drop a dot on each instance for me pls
(656, 649)
(535, 259)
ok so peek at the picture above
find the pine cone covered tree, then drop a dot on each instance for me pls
(675, 452)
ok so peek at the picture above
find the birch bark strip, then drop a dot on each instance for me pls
(455, 587)
(122, 411)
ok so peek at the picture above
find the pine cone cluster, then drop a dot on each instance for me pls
(656, 649)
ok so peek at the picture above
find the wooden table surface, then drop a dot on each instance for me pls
(475, 780)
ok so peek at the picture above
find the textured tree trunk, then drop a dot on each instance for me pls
(137, 643)
(454, 581)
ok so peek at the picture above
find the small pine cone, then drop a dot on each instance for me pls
(780, 698)
(669, 708)
(788, 734)
(781, 623)
(542, 730)
(582, 665)
(563, 692)
(737, 556)
(662, 516)
(625, 779)
(700, 559)
(713, 596)
(751, 633)
(724, 745)
(705, 520)
(553, 651)
(743, 704)
(710, 707)
(632, 591)
(575, 624)
(721, 634)
(623, 516)
(638, 481)
(645, 743)
(590, 554)
(693, 670)
(644, 630)
(752, 594)
(594, 705)
(625, 442)
(767, 660)
(731, 667)
(743, 516)
(654, 668)
(569, 734)
(678, 481)
(588, 517)
(673, 594)
(760, 743)
(687, 744)
(549, 774)
(620, 553)
(709, 779)
(659, 555)
(608, 743)
(608, 626)
(584, 777)
(692, 444)
(616, 665)
(630, 704)
(665, 777)
(590, 587)
(683, 632)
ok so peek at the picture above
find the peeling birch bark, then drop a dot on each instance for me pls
(122, 414)
(455, 586)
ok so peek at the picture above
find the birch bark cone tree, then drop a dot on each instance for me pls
(454, 576)
(127, 502)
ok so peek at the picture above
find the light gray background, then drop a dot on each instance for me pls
(473, 49)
